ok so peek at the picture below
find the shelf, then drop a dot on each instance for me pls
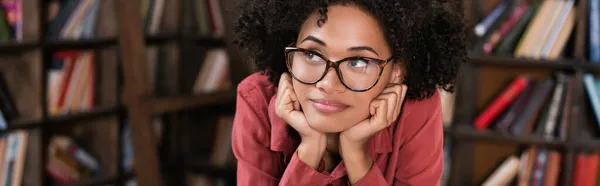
(63, 120)
(171, 104)
(17, 46)
(160, 105)
(113, 180)
(96, 43)
(564, 64)
(60, 121)
(586, 144)
(92, 43)
(591, 67)
(207, 41)
(470, 133)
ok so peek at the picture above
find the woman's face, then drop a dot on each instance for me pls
(328, 105)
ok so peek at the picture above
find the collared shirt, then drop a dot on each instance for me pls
(408, 152)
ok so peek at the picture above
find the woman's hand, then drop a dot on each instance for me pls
(384, 110)
(287, 107)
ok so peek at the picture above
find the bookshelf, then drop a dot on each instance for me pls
(122, 93)
(476, 154)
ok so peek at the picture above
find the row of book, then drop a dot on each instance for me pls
(540, 166)
(67, 161)
(525, 29)
(592, 87)
(76, 87)
(10, 23)
(594, 31)
(529, 105)
(71, 82)
(12, 145)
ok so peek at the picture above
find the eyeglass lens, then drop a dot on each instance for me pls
(356, 73)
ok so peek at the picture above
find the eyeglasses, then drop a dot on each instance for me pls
(356, 73)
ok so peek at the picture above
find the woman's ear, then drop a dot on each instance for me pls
(398, 72)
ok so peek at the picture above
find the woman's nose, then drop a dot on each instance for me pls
(331, 83)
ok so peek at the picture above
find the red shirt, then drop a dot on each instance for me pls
(408, 152)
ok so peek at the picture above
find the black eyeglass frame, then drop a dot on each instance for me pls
(334, 65)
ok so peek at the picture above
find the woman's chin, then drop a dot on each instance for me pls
(328, 126)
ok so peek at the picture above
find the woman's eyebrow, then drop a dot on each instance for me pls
(313, 38)
(354, 48)
(359, 48)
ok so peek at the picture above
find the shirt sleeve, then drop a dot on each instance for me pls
(373, 177)
(298, 173)
(257, 163)
(421, 158)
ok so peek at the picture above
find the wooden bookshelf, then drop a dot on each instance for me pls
(119, 46)
(476, 154)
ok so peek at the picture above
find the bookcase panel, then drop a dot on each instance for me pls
(106, 25)
(23, 75)
(30, 25)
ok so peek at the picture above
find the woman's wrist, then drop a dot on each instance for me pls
(356, 159)
(311, 150)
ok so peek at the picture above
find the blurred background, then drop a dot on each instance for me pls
(83, 82)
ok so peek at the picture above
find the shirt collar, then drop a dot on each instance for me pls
(286, 139)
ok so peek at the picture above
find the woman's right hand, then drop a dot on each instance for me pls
(287, 107)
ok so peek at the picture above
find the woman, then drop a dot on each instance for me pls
(346, 91)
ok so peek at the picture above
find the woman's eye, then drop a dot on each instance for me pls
(313, 57)
(358, 63)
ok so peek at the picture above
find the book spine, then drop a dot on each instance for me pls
(534, 105)
(506, 27)
(482, 27)
(553, 111)
(589, 84)
(537, 178)
(594, 31)
(503, 124)
(500, 103)
(558, 25)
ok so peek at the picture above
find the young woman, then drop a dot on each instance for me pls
(346, 92)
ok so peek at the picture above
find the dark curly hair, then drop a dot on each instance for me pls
(428, 35)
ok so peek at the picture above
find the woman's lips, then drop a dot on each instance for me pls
(328, 106)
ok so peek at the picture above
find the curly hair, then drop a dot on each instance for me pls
(428, 36)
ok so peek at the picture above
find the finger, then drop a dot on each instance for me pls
(280, 88)
(379, 119)
(391, 98)
(293, 98)
(402, 97)
(400, 91)
(286, 101)
(284, 82)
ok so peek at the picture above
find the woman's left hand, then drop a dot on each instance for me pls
(384, 110)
